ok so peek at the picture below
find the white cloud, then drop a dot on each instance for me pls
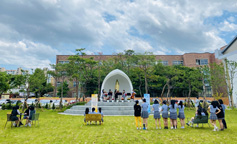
(162, 27)
(228, 26)
(26, 54)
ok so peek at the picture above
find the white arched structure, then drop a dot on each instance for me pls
(110, 81)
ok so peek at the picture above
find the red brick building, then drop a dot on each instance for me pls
(188, 59)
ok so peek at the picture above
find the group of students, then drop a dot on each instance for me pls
(27, 116)
(87, 111)
(216, 109)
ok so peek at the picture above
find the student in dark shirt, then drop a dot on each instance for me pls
(220, 116)
(14, 113)
(110, 94)
(26, 115)
(137, 114)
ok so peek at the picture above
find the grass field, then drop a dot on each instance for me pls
(57, 128)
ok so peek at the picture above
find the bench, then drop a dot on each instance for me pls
(93, 117)
(201, 120)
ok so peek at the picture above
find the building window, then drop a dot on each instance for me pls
(202, 61)
(177, 62)
(162, 62)
(63, 62)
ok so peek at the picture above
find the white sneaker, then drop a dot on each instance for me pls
(26, 125)
(214, 129)
(156, 127)
(137, 127)
(171, 128)
(160, 127)
(29, 124)
(140, 127)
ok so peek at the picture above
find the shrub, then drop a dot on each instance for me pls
(18, 103)
(9, 106)
(46, 106)
(53, 107)
(39, 105)
(3, 106)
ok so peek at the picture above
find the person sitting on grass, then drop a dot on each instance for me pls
(86, 112)
(200, 112)
(14, 113)
(102, 115)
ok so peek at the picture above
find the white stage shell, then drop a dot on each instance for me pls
(110, 80)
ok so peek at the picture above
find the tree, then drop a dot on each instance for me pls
(145, 63)
(191, 79)
(16, 81)
(4, 82)
(74, 70)
(217, 79)
(61, 74)
(48, 87)
(167, 77)
(65, 88)
(37, 80)
(231, 70)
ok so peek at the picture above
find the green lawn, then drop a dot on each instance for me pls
(57, 128)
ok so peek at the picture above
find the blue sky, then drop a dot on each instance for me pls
(34, 32)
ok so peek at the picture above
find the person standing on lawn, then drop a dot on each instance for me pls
(155, 108)
(212, 110)
(181, 115)
(137, 114)
(173, 114)
(223, 107)
(164, 110)
(220, 116)
(145, 114)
